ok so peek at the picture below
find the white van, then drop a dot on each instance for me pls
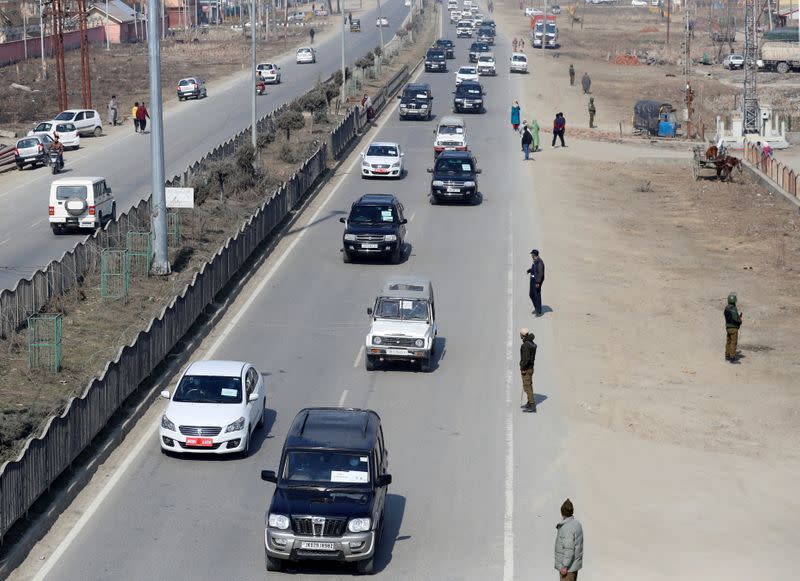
(80, 203)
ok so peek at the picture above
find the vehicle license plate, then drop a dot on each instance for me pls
(201, 442)
(381, 171)
(316, 546)
(369, 246)
(453, 190)
(468, 105)
(30, 159)
(396, 352)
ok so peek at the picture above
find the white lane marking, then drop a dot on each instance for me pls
(36, 223)
(344, 397)
(361, 351)
(4, 241)
(92, 508)
(134, 453)
(411, 219)
(508, 516)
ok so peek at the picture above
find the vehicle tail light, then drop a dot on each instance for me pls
(52, 210)
(91, 210)
(41, 147)
(16, 151)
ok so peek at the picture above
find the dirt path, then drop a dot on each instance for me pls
(686, 464)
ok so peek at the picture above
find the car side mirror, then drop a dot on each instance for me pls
(454, 92)
(108, 190)
(399, 96)
(402, 155)
(478, 171)
(404, 221)
(343, 220)
(431, 98)
(165, 394)
(384, 480)
(252, 397)
(369, 310)
(269, 476)
(363, 155)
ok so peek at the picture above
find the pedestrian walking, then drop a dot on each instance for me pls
(514, 44)
(521, 44)
(536, 272)
(134, 110)
(733, 320)
(350, 18)
(112, 111)
(527, 357)
(571, 75)
(592, 112)
(142, 115)
(533, 127)
(366, 103)
(569, 544)
(311, 34)
(586, 83)
(527, 139)
(515, 114)
(559, 127)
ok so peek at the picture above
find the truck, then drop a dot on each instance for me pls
(537, 27)
(780, 56)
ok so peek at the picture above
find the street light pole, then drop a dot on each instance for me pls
(344, 79)
(41, 34)
(253, 32)
(380, 22)
(108, 43)
(158, 207)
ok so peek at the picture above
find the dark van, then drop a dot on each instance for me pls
(416, 100)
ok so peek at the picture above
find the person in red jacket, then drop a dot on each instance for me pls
(142, 116)
(559, 126)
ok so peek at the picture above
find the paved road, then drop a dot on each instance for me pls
(477, 483)
(192, 128)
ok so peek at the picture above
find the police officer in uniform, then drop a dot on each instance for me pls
(733, 320)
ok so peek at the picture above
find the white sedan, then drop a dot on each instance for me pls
(67, 132)
(382, 159)
(382, 21)
(638, 2)
(466, 73)
(215, 409)
(305, 54)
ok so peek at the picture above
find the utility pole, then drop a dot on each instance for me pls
(380, 28)
(669, 12)
(751, 112)
(58, 40)
(688, 96)
(86, 73)
(24, 8)
(108, 41)
(41, 36)
(253, 33)
(344, 80)
(158, 207)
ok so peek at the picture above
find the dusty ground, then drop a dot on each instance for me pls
(686, 464)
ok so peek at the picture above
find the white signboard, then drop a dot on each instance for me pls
(180, 197)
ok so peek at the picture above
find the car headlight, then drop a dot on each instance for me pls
(359, 525)
(278, 521)
(459, 100)
(469, 184)
(350, 237)
(419, 342)
(423, 106)
(167, 424)
(377, 340)
(396, 164)
(236, 426)
(390, 238)
(365, 164)
(403, 107)
(437, 183)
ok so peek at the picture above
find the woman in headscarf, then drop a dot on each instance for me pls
(515, 114)
(533, 127)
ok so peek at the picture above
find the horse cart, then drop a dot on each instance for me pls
(711, 159)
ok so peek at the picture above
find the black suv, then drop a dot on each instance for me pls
(376, 227)
(486, 34)
(455, 176)
(468, 96)
(448, 46)
(416, 101)
(475, 49)
(330, 490)
(435, 60)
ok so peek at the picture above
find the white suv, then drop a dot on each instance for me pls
(486, 64)
(80, 203)
(451, 133)
(403, 323)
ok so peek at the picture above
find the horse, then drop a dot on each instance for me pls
(725, 165)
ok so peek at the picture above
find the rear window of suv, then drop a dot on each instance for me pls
(70, 192)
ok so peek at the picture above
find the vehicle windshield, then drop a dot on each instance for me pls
(454, 166)
(325, 467)
(402, 309)
(411, 95)
(209, 389)
(185, 82)
(466, 71)
(23, 143)
(450, 130)
(469, 90)
(372, 215)
(43, 127)
(65, 116)
(520, 58)
(486, 59)
(382, 151)
(489, 31)
(70, 192)
(436, 55)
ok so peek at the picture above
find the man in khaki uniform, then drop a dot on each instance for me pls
(733, 320)
(569, 544)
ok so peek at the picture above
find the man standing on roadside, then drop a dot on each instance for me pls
(559, 126)
(134, 111)
(142, 115)
(527, 139)
(586, 83)
(536, 272)
(592, 112)
(733, 320)
(569, 544)
(571, 75)
(311, 34)
(527, 357)
(112, 111)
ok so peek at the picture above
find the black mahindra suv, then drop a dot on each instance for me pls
(455, 176)
(330, 490)
(416, 101)
(448, 46)
(435, 60)
(468, 96)
(376, 227)
(475, 50)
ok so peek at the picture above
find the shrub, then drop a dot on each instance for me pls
(265, 138)
(289, 121)
(314, 101)
(288, 153)
(320, 116)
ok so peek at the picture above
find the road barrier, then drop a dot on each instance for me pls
(777, 172)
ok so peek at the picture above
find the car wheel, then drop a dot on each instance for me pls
(433, 199)
(275, 565)
(369, 363)
(782, 68)
(366, 567)
(98, 131)
(397, 255)
(20, 166)
(346, 258)
(56, 229)
(180, 98)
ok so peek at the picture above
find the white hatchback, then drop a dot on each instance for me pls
(271, 73)
(87, 121)
(382, 159)
(305, 55)
(67, 132)
(466, 73)
(215, 409)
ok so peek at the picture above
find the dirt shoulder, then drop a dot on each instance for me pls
(685, 464)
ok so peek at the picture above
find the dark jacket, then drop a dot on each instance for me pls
(527, 354)
(733, 320)
(537, 272)
(527, 138)
(559, 123)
